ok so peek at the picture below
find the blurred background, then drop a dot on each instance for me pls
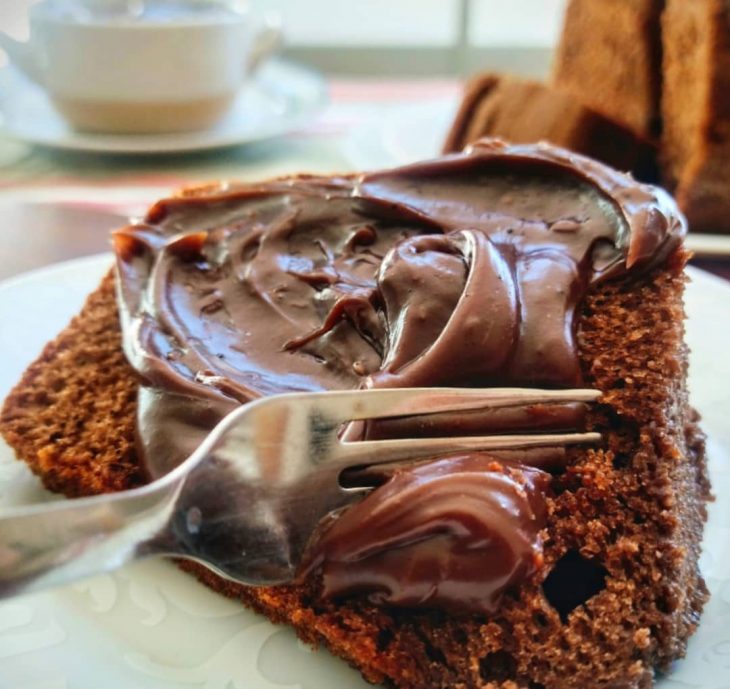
(400, 37)
(350, 86)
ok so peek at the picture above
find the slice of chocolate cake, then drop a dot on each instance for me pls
(524, 111)
(609, 58)
(524, 265)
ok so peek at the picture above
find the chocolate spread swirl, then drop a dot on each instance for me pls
(453, 534)
(464, 271)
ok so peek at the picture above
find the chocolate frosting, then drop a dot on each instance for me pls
(470, 527)
(463, 271)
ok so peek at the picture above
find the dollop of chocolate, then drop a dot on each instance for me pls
(452, 534)
(463, 271)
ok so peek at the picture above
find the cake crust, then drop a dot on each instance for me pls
(631, 512)
(72, 416)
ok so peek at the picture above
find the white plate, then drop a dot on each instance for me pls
(150, 626)
(280, 98)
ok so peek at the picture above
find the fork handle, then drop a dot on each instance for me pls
(48, 545)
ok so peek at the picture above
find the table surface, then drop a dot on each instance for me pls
(58, 206)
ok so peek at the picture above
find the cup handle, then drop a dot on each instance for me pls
(268, 40)
(22, 57)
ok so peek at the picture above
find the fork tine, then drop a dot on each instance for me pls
(383, 451)
(354, 405)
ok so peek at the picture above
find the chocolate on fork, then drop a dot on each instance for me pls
(247, 502)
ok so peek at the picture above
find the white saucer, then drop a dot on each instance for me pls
(280, 98)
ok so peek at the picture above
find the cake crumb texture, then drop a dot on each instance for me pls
(72, 416)
(622, 591)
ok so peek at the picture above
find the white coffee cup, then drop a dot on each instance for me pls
(174, 65)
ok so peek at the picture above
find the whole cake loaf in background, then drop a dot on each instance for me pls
(695, 151)
(610, 59)
(628, 75)
(505, 265)
(526, 111)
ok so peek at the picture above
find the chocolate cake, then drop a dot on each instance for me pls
(519, 265)
(696, 110)
(609, 58)
(524, 111)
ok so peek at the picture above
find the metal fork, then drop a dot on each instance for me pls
(247, 501)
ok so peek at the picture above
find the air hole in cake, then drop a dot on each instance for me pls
(615, 422)
(573, 581)
(625, 438)
(460, 636)
(385, 636)
(621, 460)
(540, 620)
(434, 654)
(558, 488)
(667, 604)
(497, 667)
